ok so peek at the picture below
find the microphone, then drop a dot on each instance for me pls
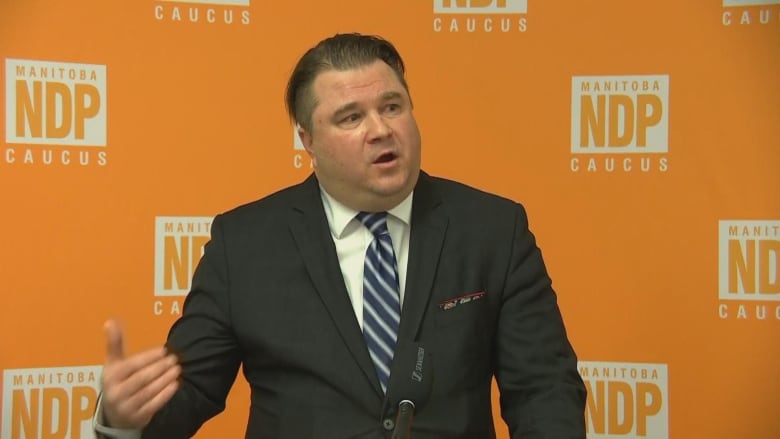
(410, 384)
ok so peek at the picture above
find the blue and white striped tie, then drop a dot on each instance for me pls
(381, 302)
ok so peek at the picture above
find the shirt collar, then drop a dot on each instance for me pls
(339, 216)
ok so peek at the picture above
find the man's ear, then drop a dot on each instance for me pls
(305, 138)
(306, 141)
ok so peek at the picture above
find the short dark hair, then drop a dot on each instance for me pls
(339, 52)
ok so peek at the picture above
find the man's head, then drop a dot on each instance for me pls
(339, 52)
(350, 100)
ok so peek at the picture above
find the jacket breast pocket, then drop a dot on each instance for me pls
(467, 310)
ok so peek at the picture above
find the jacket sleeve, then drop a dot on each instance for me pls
(541, 392)
(207, 347)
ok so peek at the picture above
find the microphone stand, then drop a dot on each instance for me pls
(403, 421)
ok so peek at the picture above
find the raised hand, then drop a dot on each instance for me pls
(137, 386)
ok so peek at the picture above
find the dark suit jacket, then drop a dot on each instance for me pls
(269, 294)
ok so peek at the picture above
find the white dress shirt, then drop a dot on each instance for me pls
(352, 239)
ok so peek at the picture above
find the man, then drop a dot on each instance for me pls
(369, 283)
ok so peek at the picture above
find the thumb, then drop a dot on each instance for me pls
(115, 348)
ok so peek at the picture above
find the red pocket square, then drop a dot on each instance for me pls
(461, 300)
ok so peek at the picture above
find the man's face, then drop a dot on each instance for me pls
(364, 140)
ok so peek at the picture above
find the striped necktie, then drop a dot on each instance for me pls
(381, 302)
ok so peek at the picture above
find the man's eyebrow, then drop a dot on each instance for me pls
(389, 95)
(350, 106)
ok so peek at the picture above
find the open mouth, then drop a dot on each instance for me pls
(386, 157)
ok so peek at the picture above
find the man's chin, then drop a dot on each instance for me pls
(393, 193)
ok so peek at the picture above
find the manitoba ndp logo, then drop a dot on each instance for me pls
(748, 269)
(626, 400)
(751, 12)
(55, 402)
(55, 113)
(619, 123)
(178, 247)
(483, 16)
(203, 11)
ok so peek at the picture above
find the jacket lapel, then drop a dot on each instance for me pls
(309, 227)
(429, 225)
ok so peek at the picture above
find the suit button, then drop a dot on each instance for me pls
(388, 424)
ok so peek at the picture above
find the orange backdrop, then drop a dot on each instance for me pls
(641, 136)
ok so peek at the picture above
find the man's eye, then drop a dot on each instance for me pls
(393, 108)
(351, 118)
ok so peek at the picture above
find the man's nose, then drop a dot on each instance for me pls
(378, 127)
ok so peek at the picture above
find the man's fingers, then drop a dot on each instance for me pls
(154, 395)
(139, 418)
(162, 397)
(134, 372)
(128, 399)
(115, 349)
